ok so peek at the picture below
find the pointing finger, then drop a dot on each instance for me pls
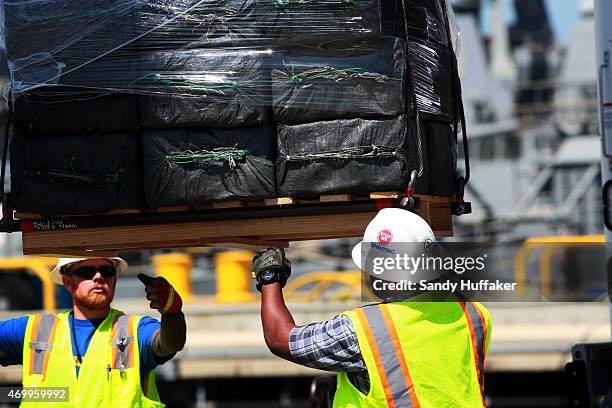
(145, 279)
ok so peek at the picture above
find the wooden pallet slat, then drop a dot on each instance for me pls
(384, 195)
(334, 198)
(182, 208)
(261, 232)
(195, 233)
(229, 204)
(245, 203)
(281, 201)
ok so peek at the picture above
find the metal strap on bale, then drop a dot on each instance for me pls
(123, 340)
(43, 334)
(335, 74)
(357, 152)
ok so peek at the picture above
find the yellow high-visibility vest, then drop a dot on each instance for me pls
(109, 375)
(419, 354)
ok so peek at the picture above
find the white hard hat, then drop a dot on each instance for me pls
(56, 275)
(391, 226)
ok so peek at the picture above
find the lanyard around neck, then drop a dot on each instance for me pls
(76, 343)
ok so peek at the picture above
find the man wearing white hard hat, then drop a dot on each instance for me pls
(93, 354)
(411, 352)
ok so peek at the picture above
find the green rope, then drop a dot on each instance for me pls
(229, 154)
(157, 78)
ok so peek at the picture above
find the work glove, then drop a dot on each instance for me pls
(161, 294)
(271, 266)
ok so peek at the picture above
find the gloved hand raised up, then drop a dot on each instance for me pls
(161, 294)
(271, 266)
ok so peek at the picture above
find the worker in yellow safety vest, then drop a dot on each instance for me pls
(420, 350)
(94, 355)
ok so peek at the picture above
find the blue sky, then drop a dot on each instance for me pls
(562, 13)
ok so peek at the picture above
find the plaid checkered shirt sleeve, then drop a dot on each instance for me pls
(330, 345)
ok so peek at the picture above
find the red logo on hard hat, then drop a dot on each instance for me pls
(384, 237)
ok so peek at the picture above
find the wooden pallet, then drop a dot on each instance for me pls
(257, 232)
(222, 205)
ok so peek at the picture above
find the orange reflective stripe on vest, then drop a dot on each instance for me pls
(43, 334)
(478, 332)
(390, 360)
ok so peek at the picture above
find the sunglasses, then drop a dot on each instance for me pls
(88, 272)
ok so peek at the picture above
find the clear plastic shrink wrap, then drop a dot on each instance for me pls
(48, 40)
(318, 94)
(312, 85)
(194, 88)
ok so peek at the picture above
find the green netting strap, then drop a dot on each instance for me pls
(357, 152)
(220, 154)
(157, 78)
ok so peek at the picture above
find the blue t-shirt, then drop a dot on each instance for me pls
(12, 333)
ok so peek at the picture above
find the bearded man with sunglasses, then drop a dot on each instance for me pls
(98, 355)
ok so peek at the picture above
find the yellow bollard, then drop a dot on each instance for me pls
(176, 268)
(234, 277)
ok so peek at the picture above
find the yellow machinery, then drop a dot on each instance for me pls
(322, 281)
(549, 246)
(234, 281)
(39, 266)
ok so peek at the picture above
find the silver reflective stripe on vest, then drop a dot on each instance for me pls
(480, 334)
(390, 359)
(122, 341)
(41, 346)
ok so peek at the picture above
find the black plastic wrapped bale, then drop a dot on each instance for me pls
(66, 110)
(366, 79)
(53, 26)
(47, 39)
(300, 20)
(430, 55)
(218, 88)
(432, 80)
(78, 174)
(440, 155)
(187, 167)
(346, 156)
(199, 24)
